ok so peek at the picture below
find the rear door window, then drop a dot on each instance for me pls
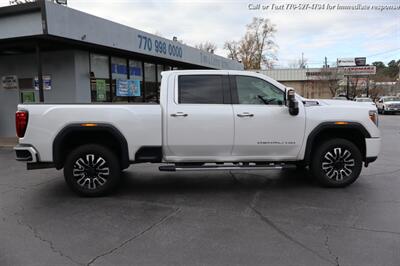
(200, 89)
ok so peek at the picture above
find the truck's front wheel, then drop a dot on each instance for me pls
(336, 163)
(92, 170)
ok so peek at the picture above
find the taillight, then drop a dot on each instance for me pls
(21, 122)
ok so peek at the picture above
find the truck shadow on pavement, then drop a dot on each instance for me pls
(151, 182)
(70, 224)
(134, 182)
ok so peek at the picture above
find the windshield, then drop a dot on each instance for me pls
(391, 99)
(364, 100)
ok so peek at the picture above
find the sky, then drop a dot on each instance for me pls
(315, 33)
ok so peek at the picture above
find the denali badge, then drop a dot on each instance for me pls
(276, 142)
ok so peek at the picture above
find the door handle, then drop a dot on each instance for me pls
(179, 114)
(245, 114)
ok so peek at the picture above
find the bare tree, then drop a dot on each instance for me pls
(375, 91)
(298, 63)
(175, 39)
(330, 78)
(207, 46)
(353, 87)
(233, 50)
(303, 62)
(257, 48)
(294, 64)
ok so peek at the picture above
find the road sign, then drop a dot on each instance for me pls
(359, 70)
(351, 61)
(10, 82)
(341, 62)
(360, 61)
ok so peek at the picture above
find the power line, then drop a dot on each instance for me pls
(318, 61)
(389, 51)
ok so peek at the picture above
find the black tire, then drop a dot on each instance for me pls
(92, 170)
(336, 163)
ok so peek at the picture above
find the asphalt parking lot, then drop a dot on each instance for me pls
(213, 218)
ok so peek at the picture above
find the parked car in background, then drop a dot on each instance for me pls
(365, 100)
(343, 98)
(388, 104)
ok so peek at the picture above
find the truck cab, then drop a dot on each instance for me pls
(228, 116)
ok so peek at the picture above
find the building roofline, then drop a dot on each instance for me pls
(295, 69)
(20, 9)
(93, 48)
(71, 25)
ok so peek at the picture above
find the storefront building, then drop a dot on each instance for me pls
(308, 82)
(54, 54)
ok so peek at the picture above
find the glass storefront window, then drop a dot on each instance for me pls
(119, 79)
(136, 73)
(151, 87)
(119, 72)
(99, 78)
(160, 68)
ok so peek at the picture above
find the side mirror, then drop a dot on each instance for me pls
(292, 102)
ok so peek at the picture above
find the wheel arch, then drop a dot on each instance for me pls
(74, 135)
(352, 131)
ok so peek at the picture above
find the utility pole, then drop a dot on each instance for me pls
(326, 62)
(398, 81)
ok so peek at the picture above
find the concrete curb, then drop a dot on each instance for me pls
(6, 147)
(8, 143)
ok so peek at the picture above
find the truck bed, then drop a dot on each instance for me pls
(139, 123)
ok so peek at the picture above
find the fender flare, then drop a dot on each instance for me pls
(77, 127)
(331, 125)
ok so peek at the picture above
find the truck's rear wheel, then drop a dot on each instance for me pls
(92, 170)
(336, 163)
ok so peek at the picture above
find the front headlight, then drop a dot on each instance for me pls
(373, 115)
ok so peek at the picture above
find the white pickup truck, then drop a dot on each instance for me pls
(206, 120)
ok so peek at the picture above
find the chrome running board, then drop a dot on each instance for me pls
(272, 166)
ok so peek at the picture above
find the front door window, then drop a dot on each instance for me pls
(252, 90)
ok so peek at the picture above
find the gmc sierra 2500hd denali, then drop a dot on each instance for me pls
(206, 120)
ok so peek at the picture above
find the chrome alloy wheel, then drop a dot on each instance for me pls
(338, 164)
(91, 171)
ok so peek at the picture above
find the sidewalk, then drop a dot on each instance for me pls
(8, 142)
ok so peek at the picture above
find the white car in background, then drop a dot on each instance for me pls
(388, 104)
(342, 98)
(365, 100)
